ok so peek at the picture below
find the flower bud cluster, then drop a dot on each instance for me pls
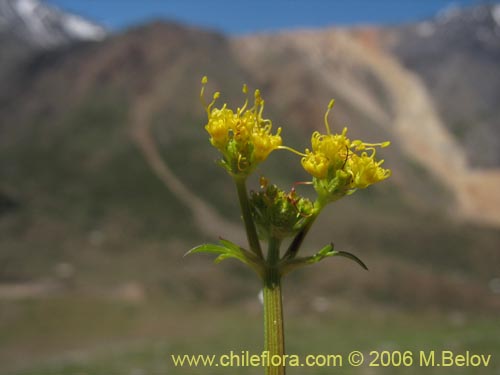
(279, 214)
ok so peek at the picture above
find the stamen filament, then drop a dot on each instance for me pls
(245, 91)
(215, 97)
(291, 150)
(204, 81)
(330, 106)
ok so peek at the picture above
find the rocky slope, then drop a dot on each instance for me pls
(457, 55)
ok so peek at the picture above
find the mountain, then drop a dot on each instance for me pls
(457, 55)
(30, 27)
(41, 26)
(105, 165)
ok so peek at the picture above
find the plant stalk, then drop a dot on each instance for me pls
(274, 335)
(294, 247)
(253, 239)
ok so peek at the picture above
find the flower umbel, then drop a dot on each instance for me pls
(336, 165)
(243, 137)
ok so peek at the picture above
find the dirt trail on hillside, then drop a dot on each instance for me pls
(205, 217)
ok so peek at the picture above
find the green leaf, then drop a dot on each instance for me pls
(222, 257)
(207, 248)
(235, 249)
(225, 252)
(353, 257)
(327, 251)
(228, 250)
(231, 246)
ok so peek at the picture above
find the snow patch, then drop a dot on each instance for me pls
(27, 10)
(26, 7)
(495, 13)
(78, 28)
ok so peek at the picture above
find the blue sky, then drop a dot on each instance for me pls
(240, 17)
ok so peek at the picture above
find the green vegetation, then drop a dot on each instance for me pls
(102, 337)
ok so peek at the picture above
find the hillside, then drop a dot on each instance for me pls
(78, 168)
(107, 178)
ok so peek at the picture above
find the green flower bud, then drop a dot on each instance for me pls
(278, 214)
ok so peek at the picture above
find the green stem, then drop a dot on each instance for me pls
(294, 247)
(274, 337)
(253, 239)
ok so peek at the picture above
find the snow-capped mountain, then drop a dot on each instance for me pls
(43, 26)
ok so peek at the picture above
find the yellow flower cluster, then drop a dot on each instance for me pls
(337, 166)
(328, 151)
(243, 137)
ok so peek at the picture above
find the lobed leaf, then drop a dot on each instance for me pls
(228, 250)
(326, 252)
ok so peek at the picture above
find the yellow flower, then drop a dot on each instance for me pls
(316, 164)
(335, 147)
(243, 137)
(337, 168)
(221, 120)
(264, 142)
(365, 171)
